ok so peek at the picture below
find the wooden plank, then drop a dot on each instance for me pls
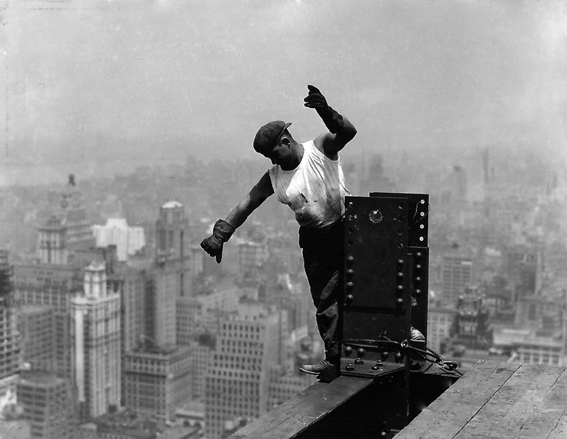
(295, 415)
(498, 400)
(511, 406)
(550, 419)
(447, 415)
(559, 430)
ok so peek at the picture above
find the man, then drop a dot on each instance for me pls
(308, 178)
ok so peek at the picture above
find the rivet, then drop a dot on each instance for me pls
(349, 285)
(399, 301)
(359, 361)
(350, 272)
(348, 350)
(361, 352)
(378, 366)
(349, 366)
(418, 292)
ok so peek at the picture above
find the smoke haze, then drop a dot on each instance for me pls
(97, 87)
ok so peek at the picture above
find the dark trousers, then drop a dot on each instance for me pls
(322, 259)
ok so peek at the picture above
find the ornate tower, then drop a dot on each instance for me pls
(67, 230)
(96, 344)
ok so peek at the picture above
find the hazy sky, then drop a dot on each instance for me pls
(124, 81)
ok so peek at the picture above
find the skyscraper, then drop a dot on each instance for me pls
(157, 380)
(47, 404)
(171, 274)
(52, 286)
(36, 325)
(456, 275)
(248, 346)
(10, 346)
(66, 230)
(96, 344)
(116, 231)
(57, 277)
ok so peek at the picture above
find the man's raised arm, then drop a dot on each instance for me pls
(341, 130)
(223, 229)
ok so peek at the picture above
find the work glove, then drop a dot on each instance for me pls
(315, 99)
(222, 231)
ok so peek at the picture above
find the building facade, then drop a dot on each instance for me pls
(158, 380)
(96, 344)
(456, 275)
(10, 346)
(237, 384)
(127, 239)
(37, 328)
(47, 404)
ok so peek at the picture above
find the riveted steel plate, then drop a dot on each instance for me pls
(375, 254)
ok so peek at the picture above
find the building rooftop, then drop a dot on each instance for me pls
(39, 377)
(172, 205)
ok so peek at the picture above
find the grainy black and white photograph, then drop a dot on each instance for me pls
(283, 219)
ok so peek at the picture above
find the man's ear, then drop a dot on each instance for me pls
(285, 141)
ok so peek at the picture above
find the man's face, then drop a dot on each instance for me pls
(281, 154)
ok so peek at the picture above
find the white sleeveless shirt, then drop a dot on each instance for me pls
(315, 190)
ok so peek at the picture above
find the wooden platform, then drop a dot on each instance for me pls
(499, 401)
(296, 415)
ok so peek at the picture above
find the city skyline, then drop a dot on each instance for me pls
(503, 253)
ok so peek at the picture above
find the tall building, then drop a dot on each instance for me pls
(57, 276)
(127, 239)
(51, 286)
(247, 347)
(189, 319)
(10, 346)
(202, 355)
(171, 274)
(135, 281)
(37, 328)
(47, 404)
(96, 344)
(157, 380)
(455, 187)
(456, 275)
(172, 234)
(472, 328)
(244, 258)
(66, 230)
(440, 323)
